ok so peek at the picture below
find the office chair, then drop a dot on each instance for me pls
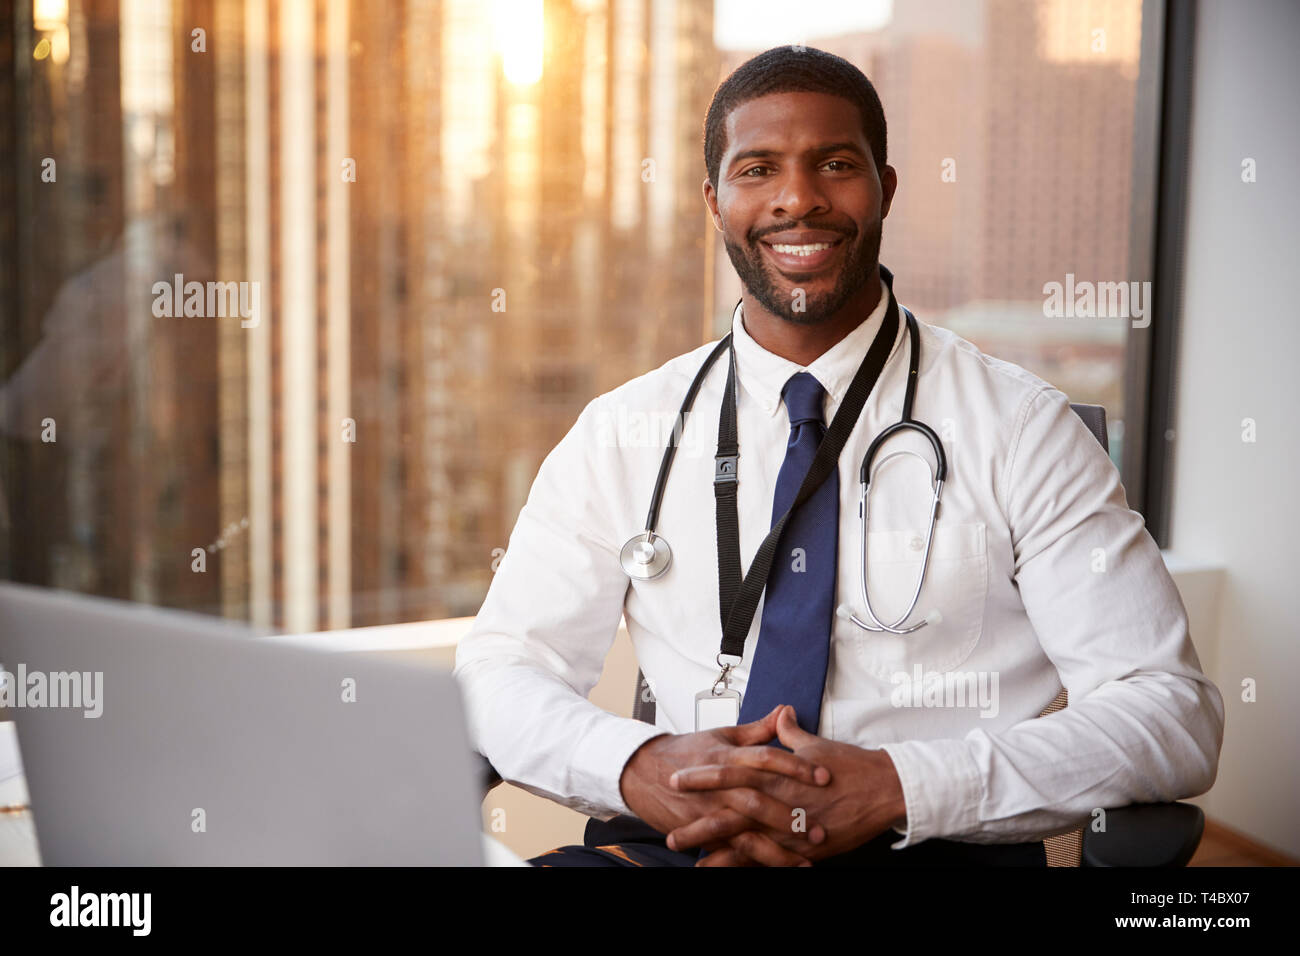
(1144, 834)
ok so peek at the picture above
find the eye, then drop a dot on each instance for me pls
(752, 169)
(844, 164)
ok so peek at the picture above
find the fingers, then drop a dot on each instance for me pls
(730, 854)
(760, 848)
(715, 828)
(781, 723)
(755, 732)
(743, 789)
(788, 730)
(744, 809)
(727, 856)
(788, 764)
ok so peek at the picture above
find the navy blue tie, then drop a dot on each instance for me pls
(799, 604)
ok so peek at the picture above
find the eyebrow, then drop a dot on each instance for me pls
(841, 147)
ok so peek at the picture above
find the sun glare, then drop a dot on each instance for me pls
(519, 28)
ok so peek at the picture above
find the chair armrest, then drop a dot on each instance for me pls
(488, 776)
(1145, 834)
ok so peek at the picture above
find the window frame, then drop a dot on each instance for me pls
(1161, 146)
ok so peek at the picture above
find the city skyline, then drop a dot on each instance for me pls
(486, 239)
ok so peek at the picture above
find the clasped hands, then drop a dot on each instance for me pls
(749, 804)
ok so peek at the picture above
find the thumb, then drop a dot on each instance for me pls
(788, 730)
(758, 731)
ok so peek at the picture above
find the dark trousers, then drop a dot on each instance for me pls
(629, 841)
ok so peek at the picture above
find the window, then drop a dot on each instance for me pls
(443, 241)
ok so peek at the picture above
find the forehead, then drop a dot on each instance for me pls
(793, 122)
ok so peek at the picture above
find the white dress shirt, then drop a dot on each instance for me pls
(1042, 574)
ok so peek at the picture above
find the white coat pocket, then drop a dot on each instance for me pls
(956, 584)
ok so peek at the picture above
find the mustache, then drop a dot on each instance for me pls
(756, 235)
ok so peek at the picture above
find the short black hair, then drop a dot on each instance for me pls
(789, 69)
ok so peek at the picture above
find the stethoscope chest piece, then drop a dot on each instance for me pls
(645, 556)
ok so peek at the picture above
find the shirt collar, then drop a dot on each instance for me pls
(763, 374)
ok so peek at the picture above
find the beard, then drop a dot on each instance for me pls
(760, 277)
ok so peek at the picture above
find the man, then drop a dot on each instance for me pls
(1039, 578)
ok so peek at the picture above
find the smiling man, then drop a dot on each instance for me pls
(807, 281)
(811, 746)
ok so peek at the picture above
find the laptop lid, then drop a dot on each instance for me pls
(215, 747)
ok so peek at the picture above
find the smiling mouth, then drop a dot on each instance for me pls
(801, 258)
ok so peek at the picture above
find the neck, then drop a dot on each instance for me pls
(804, 344)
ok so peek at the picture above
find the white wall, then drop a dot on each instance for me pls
(1235, 503)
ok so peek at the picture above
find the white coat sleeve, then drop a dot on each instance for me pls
(1143, 724)
(538, 644)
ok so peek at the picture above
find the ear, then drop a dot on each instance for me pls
(888, 186)
(711, 201)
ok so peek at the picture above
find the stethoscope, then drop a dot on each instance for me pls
(647, 555)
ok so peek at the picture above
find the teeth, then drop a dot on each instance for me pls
(806, 250)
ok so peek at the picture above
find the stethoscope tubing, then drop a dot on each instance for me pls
(647, 555)
(938, 476)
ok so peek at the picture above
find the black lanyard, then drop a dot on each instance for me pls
(737, 598)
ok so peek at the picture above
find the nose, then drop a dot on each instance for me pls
(800, 194)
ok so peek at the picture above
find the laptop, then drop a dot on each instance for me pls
(216, 746)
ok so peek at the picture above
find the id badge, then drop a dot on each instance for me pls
(717, 710)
